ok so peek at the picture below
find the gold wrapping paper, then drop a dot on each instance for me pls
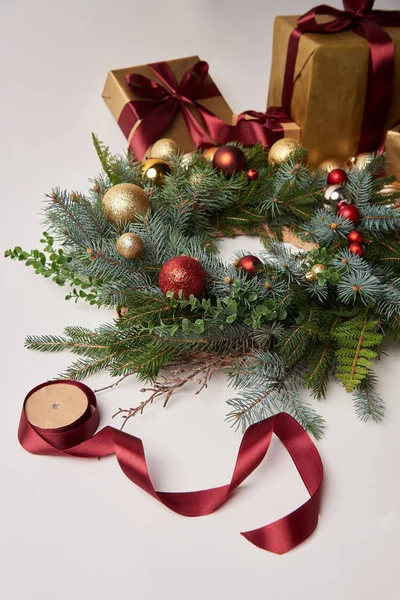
(392, 146)
(117, 93)
(330, 86)
(291, 130)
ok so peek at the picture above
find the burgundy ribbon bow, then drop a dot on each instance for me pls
(366, 22)
(261, 127)
(80, 440)
(162, 103)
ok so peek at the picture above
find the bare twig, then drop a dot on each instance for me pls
(113, 385)
(198, 369)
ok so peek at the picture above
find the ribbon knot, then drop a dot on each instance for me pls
(253, 127)
(161, 102)
(359, 16)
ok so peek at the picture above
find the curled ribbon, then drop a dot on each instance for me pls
(359, 16)
(162, 102)
(80, 440)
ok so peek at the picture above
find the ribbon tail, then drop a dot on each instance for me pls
(214, 130)
(379, 84)
(151, 126)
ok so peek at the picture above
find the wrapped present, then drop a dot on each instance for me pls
(175, 99)
(252, 127)
(392, 147)
(338, 76)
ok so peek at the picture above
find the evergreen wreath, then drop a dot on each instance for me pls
(292, 320)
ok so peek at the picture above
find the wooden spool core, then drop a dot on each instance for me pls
(55, 406)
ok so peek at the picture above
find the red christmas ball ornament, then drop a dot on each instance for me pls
(349, 211)
(182, 273)
(356, 248)
(355, 236)
(249, 264)
(337, 177)
(252, 174)
(229, 159)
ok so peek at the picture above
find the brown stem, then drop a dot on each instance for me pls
(199, 369)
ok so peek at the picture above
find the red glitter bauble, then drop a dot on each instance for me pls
(252, 174)
(355, 236)
(182, 273)
(357, 249)
(229, 159)
(337, 177)
(349, 211)
(249, 263)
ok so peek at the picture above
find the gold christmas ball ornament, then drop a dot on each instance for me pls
(130, 246)
(311, 275)
(125, 202)
(360, 161)
(392, 188)
(330, 164)
(164, 148)
(154, 170)
(281, 150)
(208, 154)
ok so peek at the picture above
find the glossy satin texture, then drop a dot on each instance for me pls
(278, 537)
(358, 16)
(162, 103)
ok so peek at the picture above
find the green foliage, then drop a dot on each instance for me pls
(358, 344)
(281, 331)
(55, 264)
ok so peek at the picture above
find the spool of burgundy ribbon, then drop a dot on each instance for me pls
(60, 418)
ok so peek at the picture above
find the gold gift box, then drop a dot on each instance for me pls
(290, 129)
(117, 93)
(329, 88)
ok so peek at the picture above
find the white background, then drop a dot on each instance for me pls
(78, 529)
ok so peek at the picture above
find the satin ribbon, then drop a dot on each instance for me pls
(163, 102)
(366, 22)
(261, 127)
(278, 537)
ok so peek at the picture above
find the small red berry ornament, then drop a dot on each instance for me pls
(337, 177)
(252, 174)
(356, 248)
(229, 159)
(249, 264)
(355, 236)
(182, 273)
(349, 211)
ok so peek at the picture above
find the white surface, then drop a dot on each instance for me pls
(76, 529)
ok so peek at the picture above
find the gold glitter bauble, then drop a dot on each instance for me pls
(129, 245)
(281, 150)
(332, 163)
(154, 169)
(208, 154)
(124, 202)
(311, 275)
(360, 161)
(164, 148)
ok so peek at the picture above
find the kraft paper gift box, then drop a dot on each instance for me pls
(330, 83)
(119, 95)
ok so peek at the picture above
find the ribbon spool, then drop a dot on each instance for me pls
(60, 418)
(60, 406)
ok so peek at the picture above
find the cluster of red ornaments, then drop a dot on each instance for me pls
(347, 211)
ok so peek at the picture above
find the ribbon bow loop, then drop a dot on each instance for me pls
(160, 103)
(358, 6)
